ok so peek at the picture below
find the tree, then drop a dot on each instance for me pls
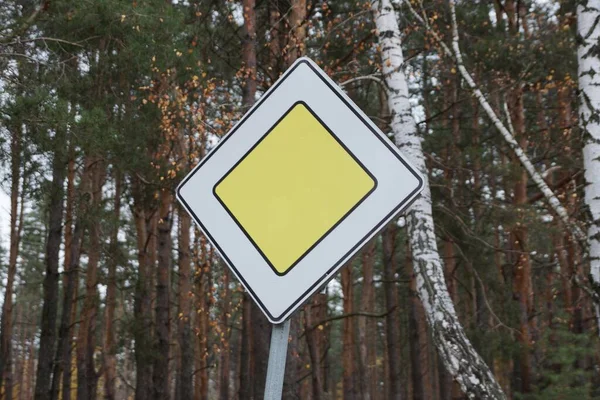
(588, 31)
(110, 362)
(255, 330)
(392, 325)
(456, 352)
(49, 311)
(16, 223)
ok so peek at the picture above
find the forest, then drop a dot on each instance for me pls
(488, 287)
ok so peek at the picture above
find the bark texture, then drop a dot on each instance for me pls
(142, 305)
(421, 368)
(297, 21)
(72, 254)
(312, 343)
(457, 353)
(50, 285)
(203, 303)
(392, 322)
(6, 321)
(246, 370)
(348, 336)
(367, 326)
(87, 377)
(110, 356)
(224, 366)
(160, 371)
(185, 376)
(588, 57)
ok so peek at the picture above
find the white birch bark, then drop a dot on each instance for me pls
(457, 353)
(588, 57)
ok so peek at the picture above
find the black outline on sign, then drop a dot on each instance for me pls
(401, 206)
(333, 226)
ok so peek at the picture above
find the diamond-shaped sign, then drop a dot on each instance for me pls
(293, 187)
(296, 188)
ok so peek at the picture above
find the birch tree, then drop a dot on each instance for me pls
(457, 353)
(514, 146)
(588, 57)
(551, 198)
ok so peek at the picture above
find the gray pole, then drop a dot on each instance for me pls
(277, 356)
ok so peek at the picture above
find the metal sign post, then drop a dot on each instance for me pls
(277, 356)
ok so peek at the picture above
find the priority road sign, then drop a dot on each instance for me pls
(296, 188)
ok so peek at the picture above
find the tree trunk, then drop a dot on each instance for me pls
(588, 30)
(142, 306)
(261, 338)
(392, 322)
(21, 365)
(580, 308)
(59, 363)
(451, 174)
(523, 292)
(110, 349)
(20, 353)
(450, 390)
(203, 311)
(457, 353)
(292, 388)
(246, 375)
(6, 321)
(249, 53)
(323, 341)
(31, 362)
(225, 335)
(275, 28)
(185, 333)
(348, 336)
(366, 326)
(26, 379)
(70, 281)
(160, 372)
(419, 344)
(87, 378)
(261, 329)
(295, 47)
(50, 285)
(313, 349)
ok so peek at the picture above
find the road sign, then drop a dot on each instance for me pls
(296, 188)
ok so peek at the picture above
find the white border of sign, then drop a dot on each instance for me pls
(398, 184)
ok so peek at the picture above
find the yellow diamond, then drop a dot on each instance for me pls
(293, 187)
